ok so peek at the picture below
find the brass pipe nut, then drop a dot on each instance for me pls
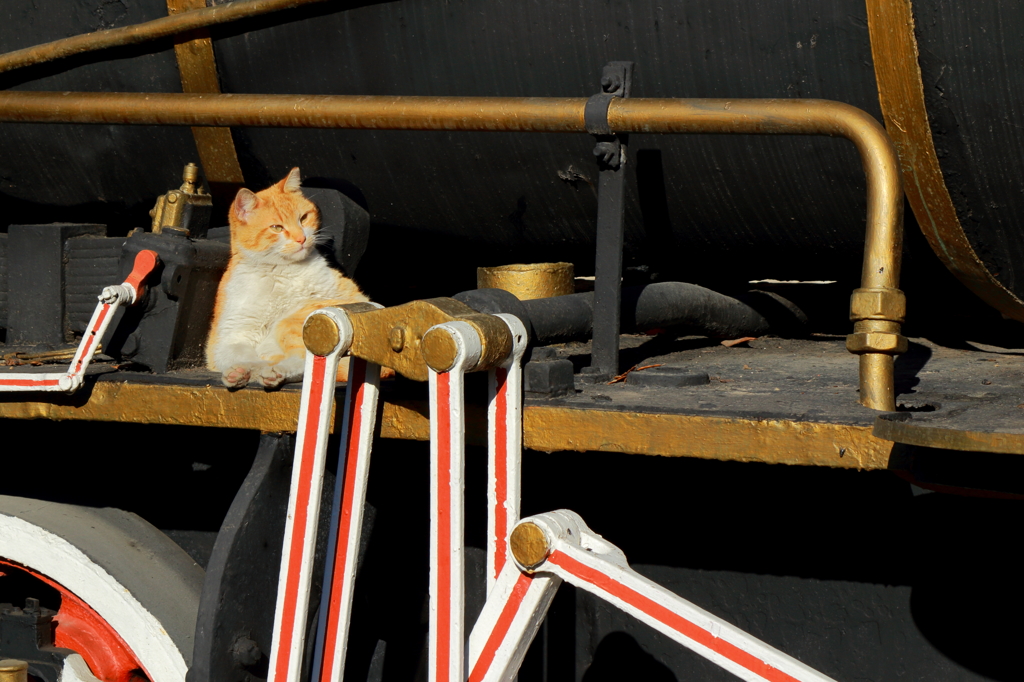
(876, 342)
(878, 304)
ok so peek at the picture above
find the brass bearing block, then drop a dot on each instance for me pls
(394, 337)
(878, 304)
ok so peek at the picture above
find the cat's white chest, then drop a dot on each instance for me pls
(271, 292)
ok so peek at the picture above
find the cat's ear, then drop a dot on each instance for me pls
(245, 203)
(292, 183)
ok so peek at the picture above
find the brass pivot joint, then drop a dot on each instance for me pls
(529, 544)
(877, 314)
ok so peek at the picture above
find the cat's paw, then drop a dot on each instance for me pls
(270, 377)
(236, 377)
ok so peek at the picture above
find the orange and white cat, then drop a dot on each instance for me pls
(274, 279)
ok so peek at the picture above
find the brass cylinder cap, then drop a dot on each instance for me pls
(529, 544)
(528, 281)
(12, 670)
(439, 350)
(321, 335)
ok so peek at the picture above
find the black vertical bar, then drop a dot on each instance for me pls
(608, 269)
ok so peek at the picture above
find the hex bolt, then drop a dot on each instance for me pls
(245, 651)
(607, 153)
(611, 82)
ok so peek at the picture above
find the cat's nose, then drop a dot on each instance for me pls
(301, 239)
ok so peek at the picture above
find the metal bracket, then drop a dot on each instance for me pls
(610, 151)
(397, 337)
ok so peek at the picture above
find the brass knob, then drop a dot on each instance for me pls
(12, 670)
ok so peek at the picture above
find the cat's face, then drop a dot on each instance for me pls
(277, 225)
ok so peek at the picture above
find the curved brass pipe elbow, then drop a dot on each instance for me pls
(878, 308)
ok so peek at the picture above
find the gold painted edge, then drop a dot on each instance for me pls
(546, 428)
(909, 433)
(901, 95)
(673, 435)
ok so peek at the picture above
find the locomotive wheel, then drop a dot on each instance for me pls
(129, 595)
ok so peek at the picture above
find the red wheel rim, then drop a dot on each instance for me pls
(78, 627)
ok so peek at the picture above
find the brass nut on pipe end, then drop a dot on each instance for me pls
(321, 335)
(878, 304)
(529, 545)
(876, 342)
(12, 670)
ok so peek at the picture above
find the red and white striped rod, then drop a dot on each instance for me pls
(504, 449)
(358, 423)
(582, 558)
(446, 645)
(111, 298)
(304, 504)
(512, 614)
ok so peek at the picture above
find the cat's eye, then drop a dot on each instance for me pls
(276, 228)
(305, 217)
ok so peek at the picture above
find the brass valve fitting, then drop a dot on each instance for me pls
(878, 304)
(186, 209)
(877, 315)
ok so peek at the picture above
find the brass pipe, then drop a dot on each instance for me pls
(877, 308)
(144, 32)
(525, 114)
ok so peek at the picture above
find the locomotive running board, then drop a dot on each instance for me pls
(112, 297)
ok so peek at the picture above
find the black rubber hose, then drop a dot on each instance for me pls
(654, 306)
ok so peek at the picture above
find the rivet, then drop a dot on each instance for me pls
(397, 339)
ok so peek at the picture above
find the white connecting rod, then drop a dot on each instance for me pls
(512, 614)
(111, 298)
(504, 449)
(359, 420)
(561, 544)
(331, 325)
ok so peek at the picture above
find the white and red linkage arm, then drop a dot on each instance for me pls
(112, 297)
(545, 550)
(328, 336)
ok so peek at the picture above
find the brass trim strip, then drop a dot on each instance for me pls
(144, 32)
(198, 69)
(901, 95)
(910, 433)
(548, 429)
